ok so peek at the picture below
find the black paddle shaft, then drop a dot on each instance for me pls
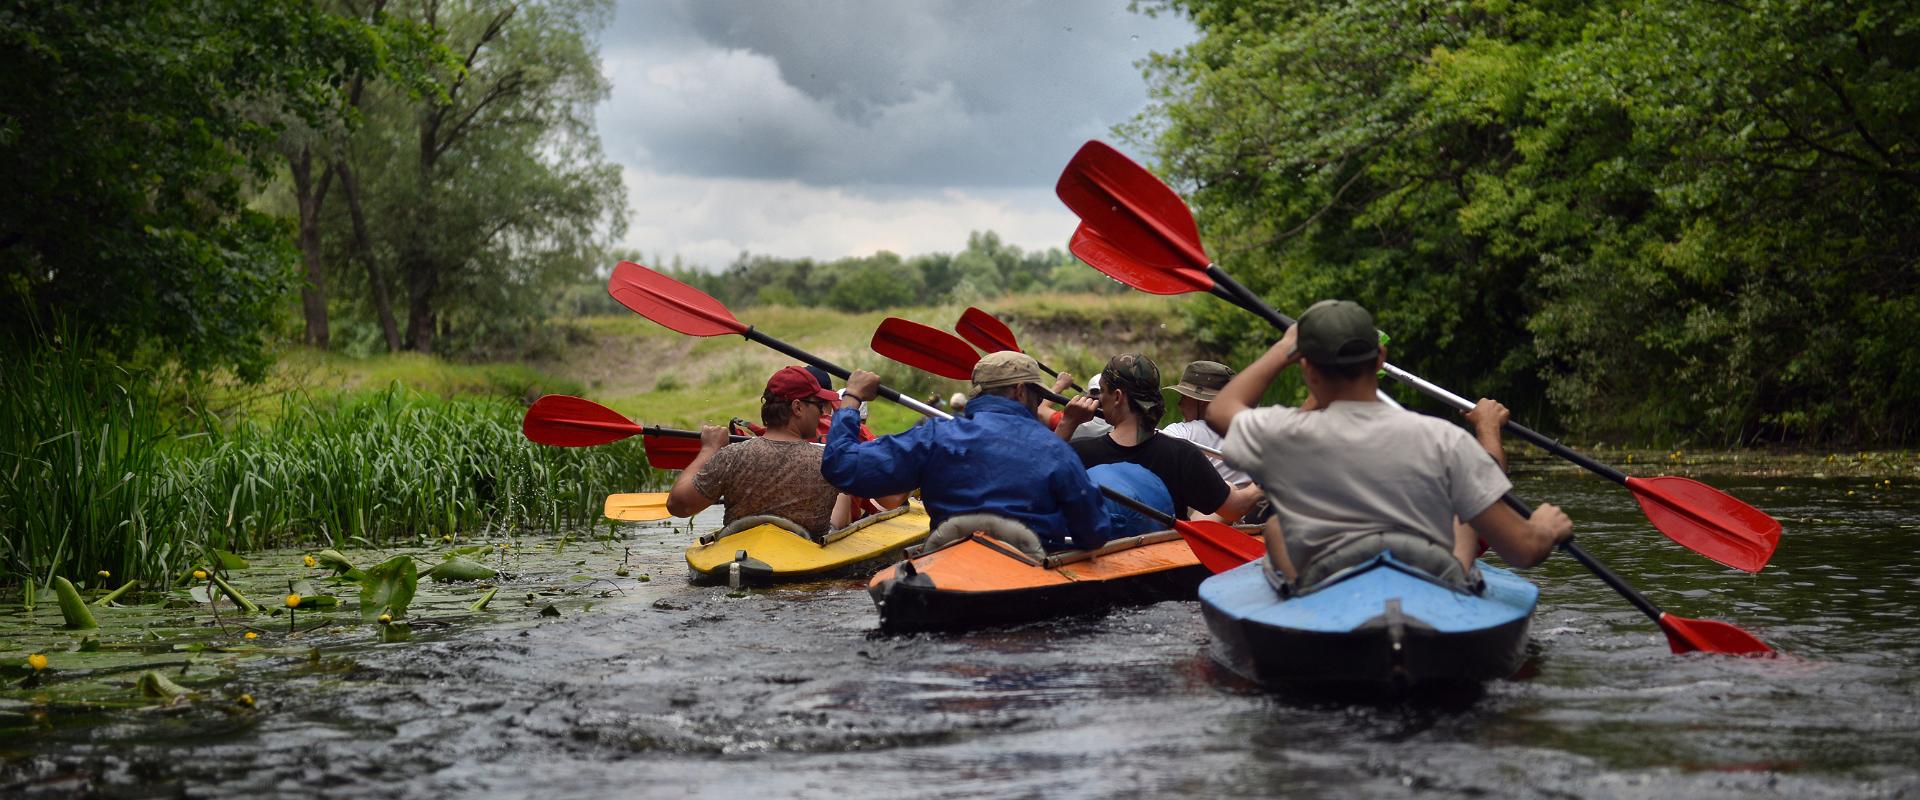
(1593, 565)
(1230, 290)
(841, 372)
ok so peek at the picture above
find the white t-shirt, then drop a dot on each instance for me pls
(1353, 468)
(1196, 431)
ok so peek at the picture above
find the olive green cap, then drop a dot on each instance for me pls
(1203, 380)
(1335, 332)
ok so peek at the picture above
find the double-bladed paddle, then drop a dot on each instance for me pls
(987, 332)
(679, 307)
(566, 421)
(1138, 231)
(637, 507)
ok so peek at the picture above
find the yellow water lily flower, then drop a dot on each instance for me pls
(447, 538)
(386, 619)
(199, 574)
(252, 635)
(38, 661)
(293, 601)
(105, 574)
(310, 561)
(245, 700)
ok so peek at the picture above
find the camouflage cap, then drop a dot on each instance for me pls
(1203, 380)
(1139, 377)
(1006, 368)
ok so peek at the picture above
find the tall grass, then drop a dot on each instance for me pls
(91, 478)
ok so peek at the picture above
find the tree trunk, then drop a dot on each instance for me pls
(313, 293)
(423, 277)
(363, 250)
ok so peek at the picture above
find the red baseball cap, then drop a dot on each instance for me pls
(795, 383)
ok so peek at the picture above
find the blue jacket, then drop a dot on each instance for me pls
(996, 459)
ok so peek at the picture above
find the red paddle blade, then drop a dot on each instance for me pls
(673, 304)
(1707, 636)
(565, 421)
(670, 452)
(1102, 254)
(1121, 199)
(1708, 521)
(926, 348)
(1219, 547)
(986, 331)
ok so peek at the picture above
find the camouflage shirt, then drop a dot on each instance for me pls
(763, 476)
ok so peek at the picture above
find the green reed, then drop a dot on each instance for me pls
(92, 479)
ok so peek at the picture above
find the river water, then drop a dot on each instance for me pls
(661, 689)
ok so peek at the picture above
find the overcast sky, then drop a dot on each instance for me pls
(829, 129)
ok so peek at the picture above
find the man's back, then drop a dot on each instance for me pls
(1358, 467)
(765, 476)
(997, 459)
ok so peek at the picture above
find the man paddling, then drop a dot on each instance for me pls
(998, 459)
(1356, 477)
(1129, 397)
(776, 474)
(1199, 384)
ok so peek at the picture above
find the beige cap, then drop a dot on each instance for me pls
(1006, 368)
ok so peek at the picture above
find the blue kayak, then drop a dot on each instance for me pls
(1379, 624)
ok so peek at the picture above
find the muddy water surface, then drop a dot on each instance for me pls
(660, 689)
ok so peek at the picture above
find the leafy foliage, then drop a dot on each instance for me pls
(129, 133)
(1653, 218)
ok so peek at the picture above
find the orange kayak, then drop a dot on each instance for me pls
(980, 581)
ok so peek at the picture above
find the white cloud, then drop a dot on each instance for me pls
(709, 221)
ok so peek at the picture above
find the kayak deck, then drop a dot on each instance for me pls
(1380, 624)
(770, 553)
(981, 582)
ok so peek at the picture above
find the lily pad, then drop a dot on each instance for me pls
(333, 560)
(228, 561)
(72, 607)
(154, 684)
(388, 588)
(460, 569)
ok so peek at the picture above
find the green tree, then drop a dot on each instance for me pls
(486, 201)
(130, 134)
(1666, 219)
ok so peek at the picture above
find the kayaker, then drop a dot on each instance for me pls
(1199, 383)
(998, 459)
(1129, 396)
(775, 474)
(1357, 477)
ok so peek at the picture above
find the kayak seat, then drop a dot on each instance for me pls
(1008, 531)
(1421, 554)
(755, 521)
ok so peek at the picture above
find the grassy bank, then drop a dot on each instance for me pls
(98, 473)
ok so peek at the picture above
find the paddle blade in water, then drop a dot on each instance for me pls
(1130, 206)
(1219, 547)
(925, 347)
(986, 331)
(1168, 277)
(672, 304)
(638, 507)
(1707, 636)
(565, 421)
(1708, 521)
(670, 452)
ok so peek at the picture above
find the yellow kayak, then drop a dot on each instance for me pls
(768, 549)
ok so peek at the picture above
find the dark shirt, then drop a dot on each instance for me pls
(996, 459)
(1189, 476)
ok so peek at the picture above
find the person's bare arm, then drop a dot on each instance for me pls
(684, 500)
(1238, 501)
(1523, 542)
(1076, 413)
(1060, 384)
(1243, 392)
(1487, 416)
